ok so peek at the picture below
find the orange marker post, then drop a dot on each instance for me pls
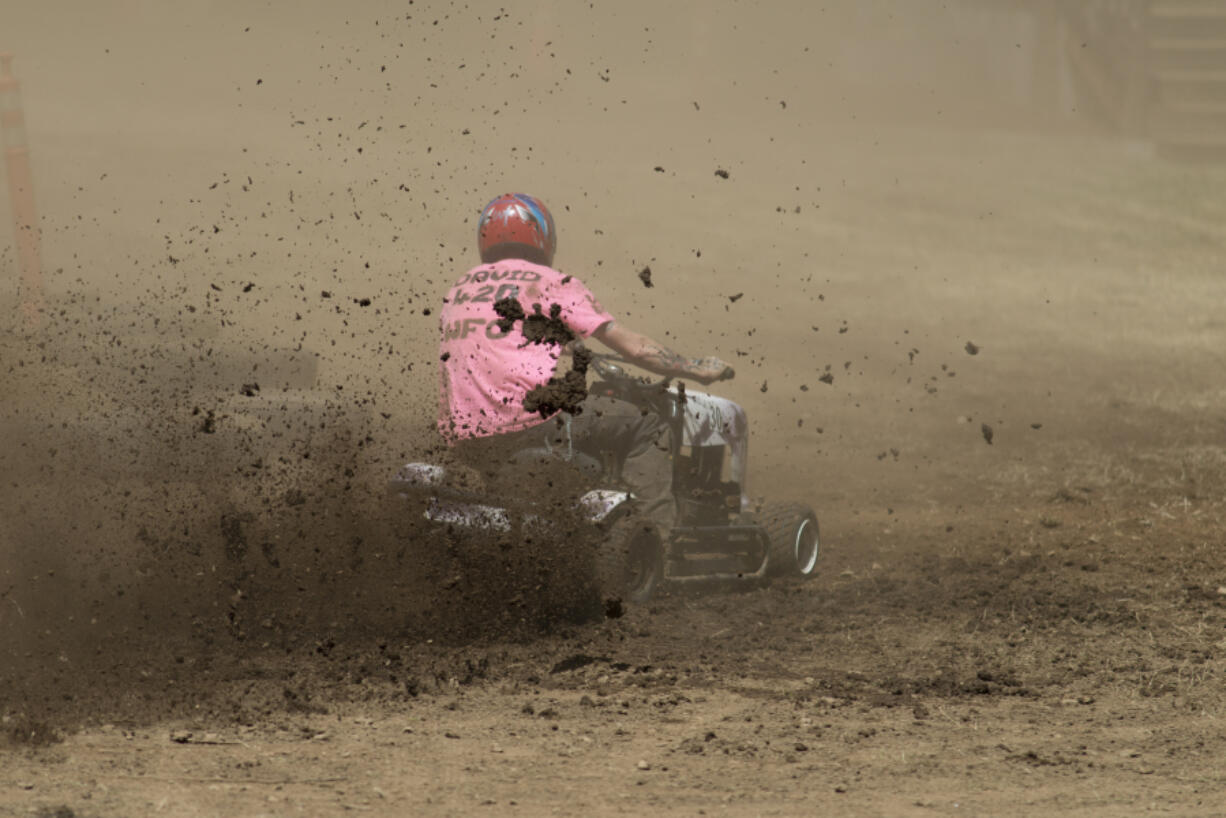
(21, 193)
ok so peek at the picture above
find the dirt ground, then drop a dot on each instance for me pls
(979, 336)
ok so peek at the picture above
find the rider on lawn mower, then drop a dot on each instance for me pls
(488, 368)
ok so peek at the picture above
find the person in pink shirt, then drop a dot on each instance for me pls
(490, 369)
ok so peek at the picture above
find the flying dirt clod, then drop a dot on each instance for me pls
(537, 328)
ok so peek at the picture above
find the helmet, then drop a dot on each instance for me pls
(516, 226)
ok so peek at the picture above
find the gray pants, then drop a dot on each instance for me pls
(605, 427)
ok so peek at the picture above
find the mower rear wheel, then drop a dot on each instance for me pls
(630, 561)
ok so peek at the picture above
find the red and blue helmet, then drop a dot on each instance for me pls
(516, 225)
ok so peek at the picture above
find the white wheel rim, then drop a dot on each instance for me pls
(805, 547)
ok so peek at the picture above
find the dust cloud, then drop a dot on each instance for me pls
(249, 213)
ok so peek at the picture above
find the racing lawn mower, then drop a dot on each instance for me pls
(712, 541)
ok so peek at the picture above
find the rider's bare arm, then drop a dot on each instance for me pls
(655, 357)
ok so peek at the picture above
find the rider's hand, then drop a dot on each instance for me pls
(709, 370)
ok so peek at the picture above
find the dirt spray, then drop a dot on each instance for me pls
(21, 193)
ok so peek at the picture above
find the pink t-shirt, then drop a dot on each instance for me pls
(485, 372)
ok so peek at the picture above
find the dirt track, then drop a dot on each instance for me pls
(193, 625)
